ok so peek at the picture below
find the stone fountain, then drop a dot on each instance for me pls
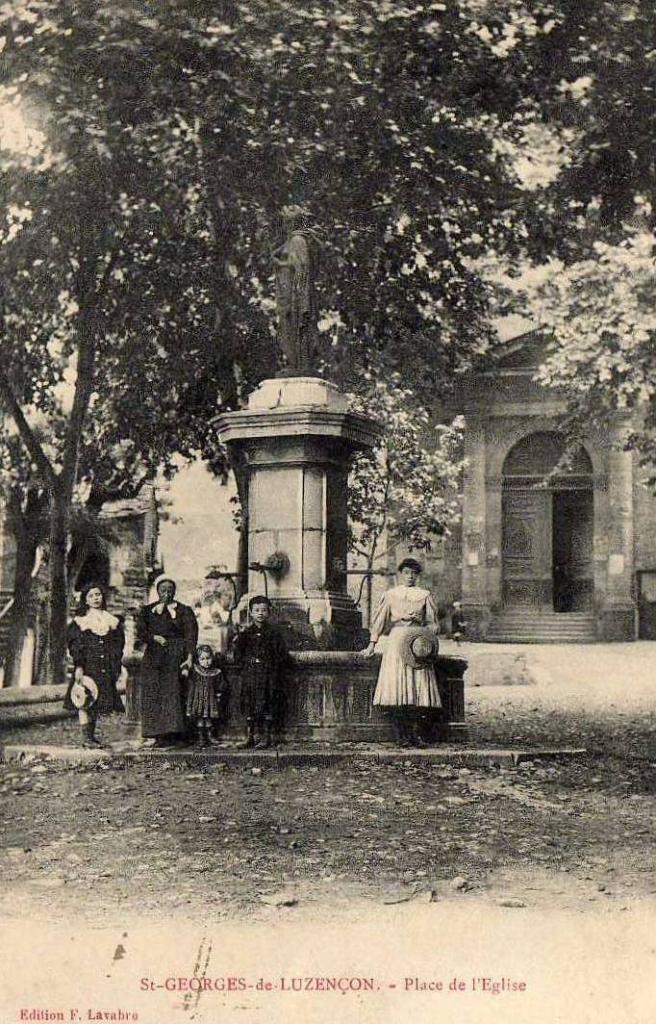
(294, 444)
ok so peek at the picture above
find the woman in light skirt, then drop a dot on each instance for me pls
(407, 683)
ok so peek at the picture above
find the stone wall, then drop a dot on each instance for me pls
(644, 519)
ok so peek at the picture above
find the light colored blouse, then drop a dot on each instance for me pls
(403, 606)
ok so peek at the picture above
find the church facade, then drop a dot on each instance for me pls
(553, 547)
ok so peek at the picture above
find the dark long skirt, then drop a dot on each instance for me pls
(161, 689)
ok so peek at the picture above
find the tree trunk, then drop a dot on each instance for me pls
(59, 522)
(369, 586)
(19, 616)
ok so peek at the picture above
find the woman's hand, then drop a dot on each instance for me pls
(369, 650)
(79, 673)
(161, 640)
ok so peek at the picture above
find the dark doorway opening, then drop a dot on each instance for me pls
(571, 547)
(547, 525)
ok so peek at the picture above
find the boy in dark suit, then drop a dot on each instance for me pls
(262, 657)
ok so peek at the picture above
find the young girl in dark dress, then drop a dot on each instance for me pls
(95, 640)
(206, 693)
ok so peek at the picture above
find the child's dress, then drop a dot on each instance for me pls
(204, 692)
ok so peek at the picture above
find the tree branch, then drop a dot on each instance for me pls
(83, 387)
(114, 258)
(100, 493)
(27, 435)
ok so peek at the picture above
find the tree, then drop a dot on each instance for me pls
(600, 313)
(138, 222)
(407, 489)
(26, 504)
(163, 141)
(587, 272)
(95, 226)
(372, 120)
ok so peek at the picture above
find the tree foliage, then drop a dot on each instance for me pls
(600, 312)
(147, 150)
(588, 269)
(407, 488)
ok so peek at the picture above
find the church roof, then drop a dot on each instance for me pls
(523, 352)
(127, 508)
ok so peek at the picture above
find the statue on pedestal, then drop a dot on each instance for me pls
(296, 268)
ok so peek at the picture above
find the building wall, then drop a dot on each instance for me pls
(644, 517)
(500, 410)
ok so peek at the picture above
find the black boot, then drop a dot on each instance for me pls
(399, 727)
(250, 735)
(417, 729)
(212, 739)
(266, 739)
(89, 733)
(203, 740)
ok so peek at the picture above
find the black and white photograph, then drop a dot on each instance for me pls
(327, 511)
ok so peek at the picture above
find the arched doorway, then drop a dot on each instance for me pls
(547, 511)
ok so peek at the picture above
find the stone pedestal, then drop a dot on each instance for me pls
(330, 699)
(296, 440)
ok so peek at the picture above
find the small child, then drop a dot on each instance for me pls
(262, 657)
(207, 690)
(457, 622)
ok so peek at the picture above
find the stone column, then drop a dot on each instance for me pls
(618, 612)
(494, 523)
(297, 439)
(474, 557)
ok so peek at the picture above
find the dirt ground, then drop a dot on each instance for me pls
(241, 843)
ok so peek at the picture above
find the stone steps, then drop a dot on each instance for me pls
(542, 628)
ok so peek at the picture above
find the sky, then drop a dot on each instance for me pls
(201, 533)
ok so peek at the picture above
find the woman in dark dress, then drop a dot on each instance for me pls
(96, 640)
(168, 632)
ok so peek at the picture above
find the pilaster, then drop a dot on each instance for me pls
(474, 526)
(618, 611)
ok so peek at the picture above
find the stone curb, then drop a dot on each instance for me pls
(280, 760)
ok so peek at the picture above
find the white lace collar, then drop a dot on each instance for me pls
(97, 620)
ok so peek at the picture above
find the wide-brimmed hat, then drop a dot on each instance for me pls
(418, 647)
(84, 693)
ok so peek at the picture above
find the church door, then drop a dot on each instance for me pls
(527, 554)
(547, 531)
